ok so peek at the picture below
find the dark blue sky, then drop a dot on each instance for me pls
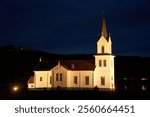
(72, 26)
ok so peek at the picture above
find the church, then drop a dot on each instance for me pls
(78, 73)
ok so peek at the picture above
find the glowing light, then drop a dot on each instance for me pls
(143, 79)
(125, 87)
(124, 78)
(112, 88)
(143, 88)
(15, 88)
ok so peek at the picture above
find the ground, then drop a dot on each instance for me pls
(61, 94)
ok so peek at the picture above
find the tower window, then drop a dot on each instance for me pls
(104, 62)
(103, 49)
(100, 63)
(41, 79)
(102, 80)
(87, 80)
(75, 80)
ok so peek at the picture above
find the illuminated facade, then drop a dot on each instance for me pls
(79, 73)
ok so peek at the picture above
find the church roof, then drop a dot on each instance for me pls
(45, 65)
(68, 64)
(31, 80)
(78, 64)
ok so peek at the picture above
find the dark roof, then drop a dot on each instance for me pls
(78, 64)
(68, 64)
(45, 65)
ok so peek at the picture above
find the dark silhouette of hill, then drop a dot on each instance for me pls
(17, 64)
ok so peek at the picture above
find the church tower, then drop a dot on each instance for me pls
(104, 60)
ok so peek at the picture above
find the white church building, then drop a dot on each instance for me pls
(78, 73)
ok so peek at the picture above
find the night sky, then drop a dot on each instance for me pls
(73, 26)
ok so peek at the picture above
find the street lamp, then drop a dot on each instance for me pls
(15, 88)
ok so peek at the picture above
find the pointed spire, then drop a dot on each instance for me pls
(104, 28)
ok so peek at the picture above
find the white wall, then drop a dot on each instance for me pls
(103, 42)
(59, 69)
(107, 72)
(31, 85)
(46, 75)
(81, 79)
(67, 80)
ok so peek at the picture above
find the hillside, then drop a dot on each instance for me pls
(17, 64)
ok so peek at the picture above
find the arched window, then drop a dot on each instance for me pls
(100, 63)
(75, 80)
(104, 63)
(86, 80)
(102, 80)
(103, 49)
